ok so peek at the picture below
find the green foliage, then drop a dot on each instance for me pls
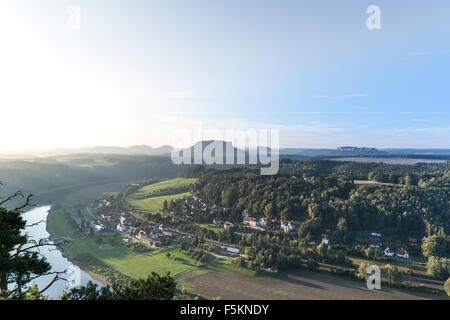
(438, 267)
(391, 274)
(373, 253)
(194, 171)
(434, 246)
(332, 201)
(155, 287)
(362, 270)
(18, 263)
(447, 286)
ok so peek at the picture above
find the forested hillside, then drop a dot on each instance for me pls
(321, 195)
(80, 178)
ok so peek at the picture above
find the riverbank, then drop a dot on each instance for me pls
(53, 236)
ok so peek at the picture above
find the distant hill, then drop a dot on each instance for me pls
(418, 151)
(339, 152)
(133, 150)
(297, 153)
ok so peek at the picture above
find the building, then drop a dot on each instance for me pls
(121, 228)
(325, 240)
(233, 250)
(150, 242)
(412, 242)
(228, 225)
(262, 222)
(99, 227)
(374, 234)
(388, 252)
(402, 254)
(287, 226)
(250, 221)
(124, 220)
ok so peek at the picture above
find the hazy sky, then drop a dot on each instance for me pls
(136, 70)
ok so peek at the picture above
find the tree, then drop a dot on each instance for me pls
(155, 287)
(20, 260)
(362, 270)
(373, 253)
(392, 275)
(447, 286)
(411, 180)
(438, 267)
(230, 196)
(342, 229)
(269, 211)
(433, 246)
(322, 250)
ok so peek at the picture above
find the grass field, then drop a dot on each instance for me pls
(219, 278)
(150, 198)
(206, 226)
(118, 256)
(214, 281)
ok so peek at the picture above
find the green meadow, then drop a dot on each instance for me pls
(116, 255)
(150, 199)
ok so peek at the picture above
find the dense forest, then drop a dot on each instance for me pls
(321, 195)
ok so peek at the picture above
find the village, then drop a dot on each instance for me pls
(186, 210)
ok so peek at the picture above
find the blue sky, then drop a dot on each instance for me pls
(136, 70)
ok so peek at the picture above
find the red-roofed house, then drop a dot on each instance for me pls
(388, 252)
(403, 254)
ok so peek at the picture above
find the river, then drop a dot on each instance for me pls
(54, 256)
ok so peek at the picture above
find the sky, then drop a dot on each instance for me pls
(133, 72)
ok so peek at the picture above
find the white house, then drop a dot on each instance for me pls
(325, 240)
(228, 225)
(99, 227)
(233, 250)
(374, 234)
(287, 226)
(262, 222)
(121, 228)
(388, 252)
(403, 254)
(124, 220)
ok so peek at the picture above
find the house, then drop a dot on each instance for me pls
(250, 221)
(308, 178)
(412, 242)
(233, 250)
(262, 222)
(99, 227)
(121, 228)
(287, 226)
(151, 242)
(228, 225)
(124, 220)
(141, 234)
(374, 234)
(106, 217)
(388, 252)
(245, 213)
(403, 254)
(325, 240)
